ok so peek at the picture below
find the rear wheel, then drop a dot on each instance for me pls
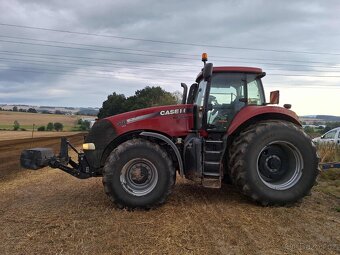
(138, 174)
(273, 162)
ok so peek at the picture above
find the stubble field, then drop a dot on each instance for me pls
(50, 212)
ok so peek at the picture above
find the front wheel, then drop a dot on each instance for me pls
(138, 174)
(274, 163)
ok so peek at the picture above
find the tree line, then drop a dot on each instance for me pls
(147, 97)
(316, 131)
(81, 125)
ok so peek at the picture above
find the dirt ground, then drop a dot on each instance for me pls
(10, 150)
(50, 212)
(9, 135)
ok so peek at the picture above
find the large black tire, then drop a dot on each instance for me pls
(273, 163)
(138, 174)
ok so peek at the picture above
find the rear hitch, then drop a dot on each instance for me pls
(38, 158)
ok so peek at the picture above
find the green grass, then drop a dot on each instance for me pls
(329, 182)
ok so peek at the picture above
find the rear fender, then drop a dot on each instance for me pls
(252, 114)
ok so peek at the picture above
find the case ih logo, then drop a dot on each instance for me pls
(173, 111)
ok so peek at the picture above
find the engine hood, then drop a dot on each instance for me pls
(173, 120)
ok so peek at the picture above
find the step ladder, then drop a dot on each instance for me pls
(212, 157)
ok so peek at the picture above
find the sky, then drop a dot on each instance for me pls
(76, 53)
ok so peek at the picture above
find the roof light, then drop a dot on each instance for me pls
(204, 57)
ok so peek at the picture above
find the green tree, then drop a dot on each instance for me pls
(41, 128)
(15, 109)
(149, 97)
(16, 125)
(331, 125)
(58, 126)
(32, 110)
(113, 105)
(83, 124)
(309, 130)
(50, 126)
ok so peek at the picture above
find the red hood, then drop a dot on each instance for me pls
(174, 120)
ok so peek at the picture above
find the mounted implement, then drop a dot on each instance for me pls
(222, 130)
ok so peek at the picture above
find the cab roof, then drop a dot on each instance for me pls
(233, 69)
(241, 69)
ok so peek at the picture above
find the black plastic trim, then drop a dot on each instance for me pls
(172, 145)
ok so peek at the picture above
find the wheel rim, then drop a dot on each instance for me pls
(139, 177)
(279, 165)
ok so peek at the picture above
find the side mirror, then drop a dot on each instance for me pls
(274, 97)
(207, 71)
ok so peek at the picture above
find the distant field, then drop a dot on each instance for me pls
(26, 120)
(10, 135)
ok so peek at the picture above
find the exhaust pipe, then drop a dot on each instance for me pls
(185, 91)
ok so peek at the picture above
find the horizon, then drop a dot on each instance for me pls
(78, 107)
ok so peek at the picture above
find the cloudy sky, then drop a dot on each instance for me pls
(75, 53)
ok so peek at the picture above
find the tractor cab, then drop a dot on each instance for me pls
(221, 92)
(226, 93)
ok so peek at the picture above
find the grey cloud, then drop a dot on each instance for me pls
(287, 25)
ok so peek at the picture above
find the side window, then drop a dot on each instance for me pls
(254, 93)
(330, 135)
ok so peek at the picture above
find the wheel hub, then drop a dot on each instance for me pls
(280, 165)
(139, 177)
(273, 163)
(139, 173)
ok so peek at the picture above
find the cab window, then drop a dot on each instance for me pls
(199, 100)
(224, 99)
(330, 135)
(255, 95)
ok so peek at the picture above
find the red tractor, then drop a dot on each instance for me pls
(222, 130)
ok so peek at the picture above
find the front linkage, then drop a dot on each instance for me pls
(37, 158)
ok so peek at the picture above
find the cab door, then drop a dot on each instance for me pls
(337, 138)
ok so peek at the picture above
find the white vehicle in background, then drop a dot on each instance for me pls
(332, 136)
